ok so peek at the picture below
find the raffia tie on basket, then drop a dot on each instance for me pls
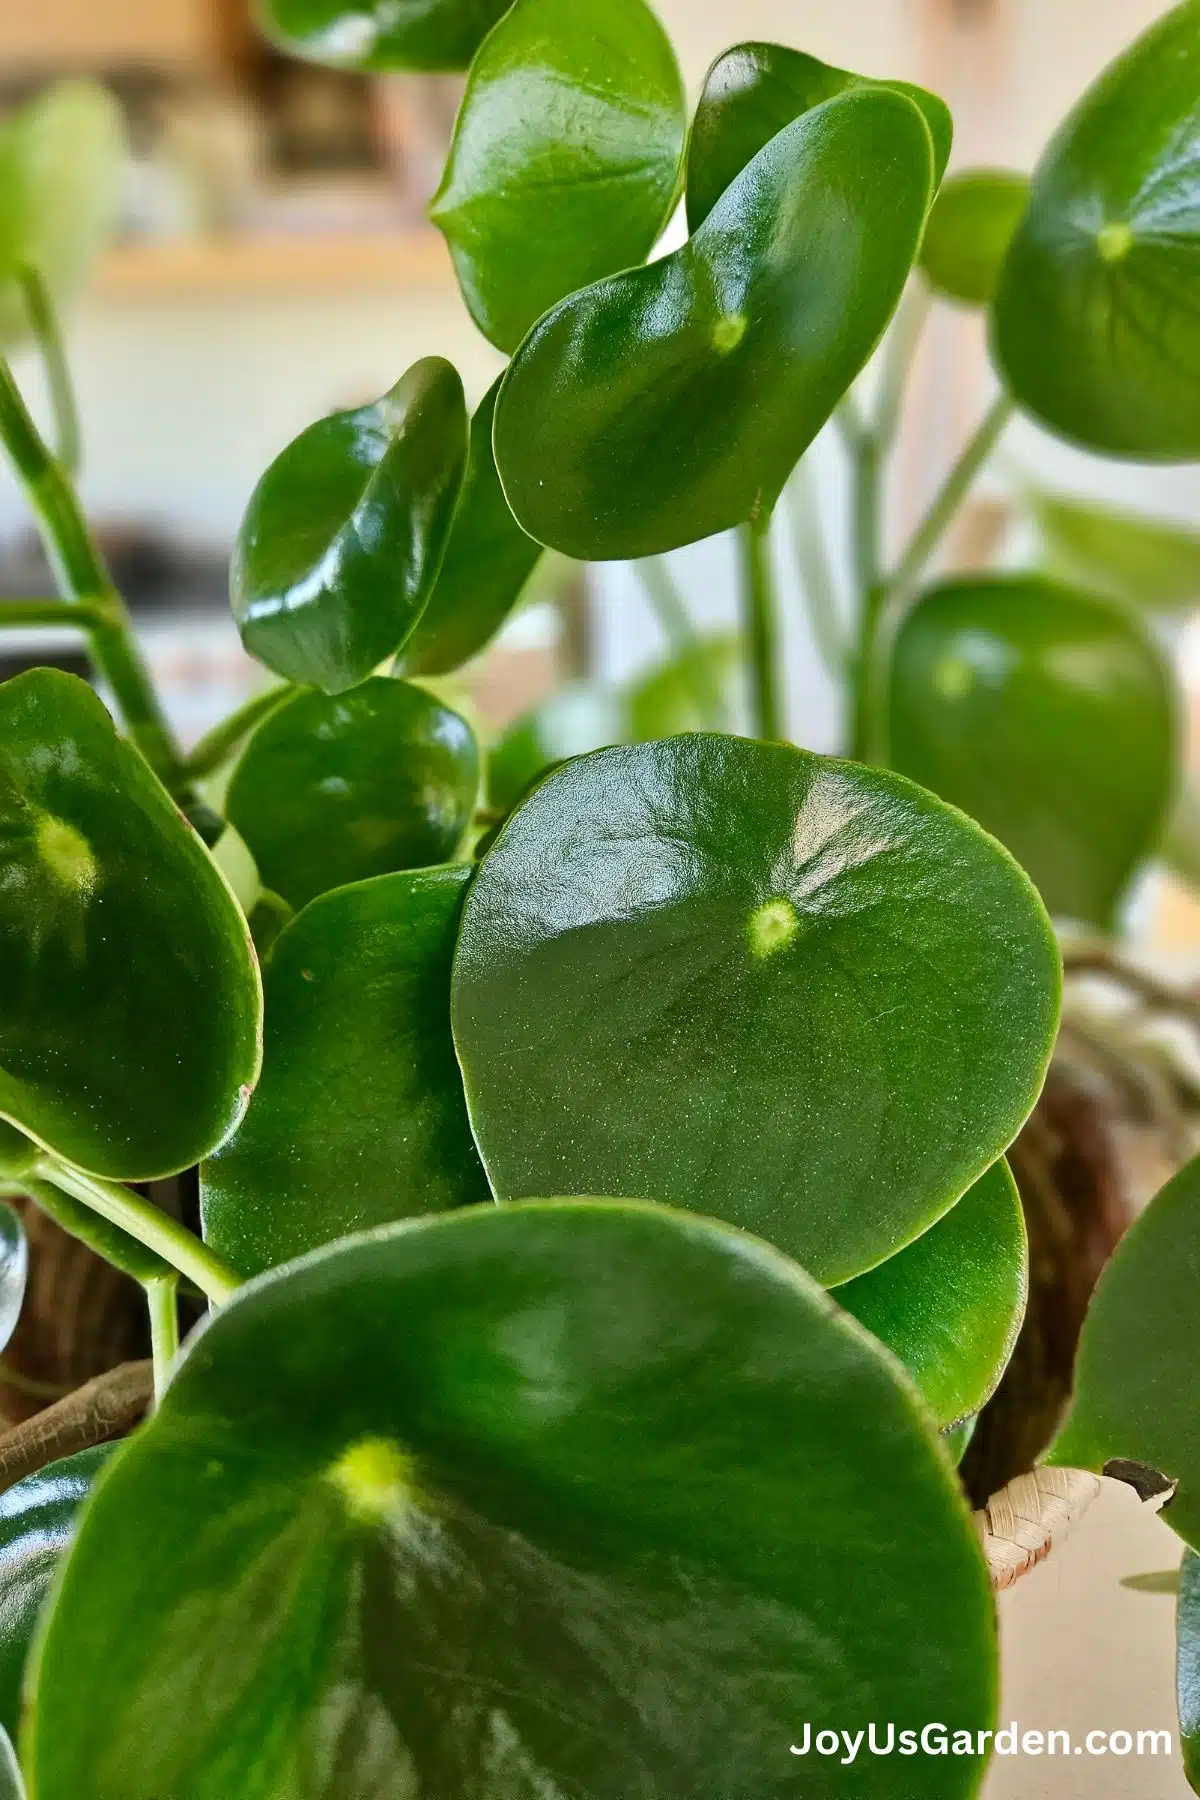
(1020, 1526)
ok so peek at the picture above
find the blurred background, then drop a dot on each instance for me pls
(273, 264)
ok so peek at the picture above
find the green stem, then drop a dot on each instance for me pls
(162, 1299)
(953, 492)
(109, 1243)
(816, 575)
(15, 614)
(760, 624)
(83, 579)
(899, 354)
(44, 320)
(148, 1224)
(219, 744)
(685, 642)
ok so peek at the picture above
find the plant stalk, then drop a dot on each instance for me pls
(44, 319)
(162, 1300)
(816, 575)
(16, 615)
(954, 490)
(149, 1225)
(84, 581)
(760, 624)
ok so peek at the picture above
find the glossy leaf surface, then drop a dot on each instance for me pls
(973, 223)
(1149, 563)
(1135, 1376)
(333, 789)
(801, 995)
(60, 173)
(380, 35)
(950, 1306)
(754, 91)
(1096, 328)
(566, 155)
(525, 1500)
(359, 1118)
(14, 1270)
(37, 1522)
(668, 403)
(488, 562)
(344, 535)
(1189, 1667)
(130, 1003)
(1048, 716)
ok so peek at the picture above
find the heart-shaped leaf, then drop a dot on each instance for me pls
(333, 789)
(973, 223)
(60, 173)
(1047, 715)
(801, 995)
(14, 1266)
(488, 562)
(344, 535)
(359, 1118)
(951, 1305)
(37, 1522)
(1148, 563)
(672, 402)
(1096, 327)
(1189, 1667)
(566, 157)
(130, 1003)
(754, 91)
(380, 35)
(577, 1498)
(1135, 1376)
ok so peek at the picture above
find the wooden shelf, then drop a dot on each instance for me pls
(326, 263)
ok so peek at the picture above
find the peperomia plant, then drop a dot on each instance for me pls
(606, 1228)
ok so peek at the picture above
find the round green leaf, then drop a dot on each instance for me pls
(973, 222)
(379, 35)
(37, 1522)
(668, 403)
(1135, 1376)
(754, 91)
(1189, 1667)
(951, 1305)
(566, 155)
(344, 535)
(576, 1498)
(582, 716)
(1096, 327)
(798, 994)
(14, 1268)
(333, 789)
(130, 1002)
(1147, 563)
(359, 1118)
(61, 157)
(1047, 715)
(488, 562)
